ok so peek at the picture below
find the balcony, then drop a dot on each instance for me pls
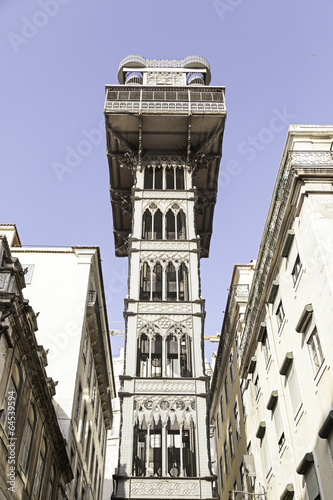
(156, 100)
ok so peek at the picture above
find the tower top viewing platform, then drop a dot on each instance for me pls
(163, 114)
(192, 70)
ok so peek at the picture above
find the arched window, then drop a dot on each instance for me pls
(171, 282)
(147, 225)
(170, 225)
(145, 282)
(143, 356)
(172, 357)
(156, 356)
(185, 357)
(188, 446)
(149, 359)
(174, 447)
(139, 448)
(181, 226)
(183, 282)
(27, 438)
(157, 234)
(157, 280)
(178, 356)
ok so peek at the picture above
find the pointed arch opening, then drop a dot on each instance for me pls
(157, 234)
(180, 178)
(171, 282)
(183, 282)
(181, 226)
(147, 225)
(145, 282)
(170, 225)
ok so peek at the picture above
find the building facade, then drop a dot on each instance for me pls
(164, 128)
(33, 459)
(227, 411)
(285, 347)
(66, 287)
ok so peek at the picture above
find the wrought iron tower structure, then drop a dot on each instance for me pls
(164, 127)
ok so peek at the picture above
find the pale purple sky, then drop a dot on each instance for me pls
(275, 59)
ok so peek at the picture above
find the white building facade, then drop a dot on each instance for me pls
(287, 349)
(66, 287)
(164, 131)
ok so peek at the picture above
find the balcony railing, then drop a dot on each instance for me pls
(170, 101)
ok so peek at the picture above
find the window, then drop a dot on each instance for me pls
(149, 356)
(164, 178)
(266, 349)
(181, 226)
(226, 390)
(51, 489)
(170, 224)
(27, 438)
(99, 487)
(171, 282)
(96, 474)
(222, 407)
(93, 393)
(77, 484)
(85, 346)
(307, 468)
(231, 441)
(78, 403)
(179, 443)
(257, 387)
(221, 472)
(151, 282)
(156, 285)
(237, 422)
(90, 369)
(280, 315)
(231, 368)
(296, 269)
(218, 425)
(38, 480)
(92, 460)
(145, 285)
(88, 444)
(182, 282)
(315, 350)
(266, 454)
(152, 224)
(294, 390)
(83, 429)
(225, 451)
(242, 478)
(277, 416)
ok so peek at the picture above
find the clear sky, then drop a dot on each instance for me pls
(274, 57)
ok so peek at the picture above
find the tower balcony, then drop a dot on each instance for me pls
(182, 100)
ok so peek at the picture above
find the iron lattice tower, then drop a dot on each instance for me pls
(164, 127)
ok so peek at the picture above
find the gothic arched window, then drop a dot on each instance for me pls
(188, 444)
(149, 357)
(174, 447)
(170, 178)
(157, 234)
(139, 448)
(181, 226)
(147, 224)
(157, 280)
(170, 224)
(143, 356)
(185, 357)
(156, 356)
(171, 282)
(182, 282)
(179, 178)
(145, 282)
(172, 357)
